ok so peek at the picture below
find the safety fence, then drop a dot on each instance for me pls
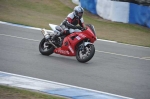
(117, 11)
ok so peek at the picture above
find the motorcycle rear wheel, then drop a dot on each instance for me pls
(45, 48)
(86, 54)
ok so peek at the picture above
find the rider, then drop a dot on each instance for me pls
(69, 25)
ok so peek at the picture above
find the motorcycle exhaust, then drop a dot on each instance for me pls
(47, 36)
(52, 43)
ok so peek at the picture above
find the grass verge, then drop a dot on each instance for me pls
(39, 13)
(15, 93)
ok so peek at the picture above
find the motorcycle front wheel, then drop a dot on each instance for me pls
(84, 55)
(45, 48)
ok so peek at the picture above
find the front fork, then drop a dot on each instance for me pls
(84, 44)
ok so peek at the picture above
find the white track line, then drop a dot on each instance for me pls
(121, 43)
(143, 58)
(20, 37)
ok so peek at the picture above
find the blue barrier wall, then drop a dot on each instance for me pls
(89, 5)
(139, 15)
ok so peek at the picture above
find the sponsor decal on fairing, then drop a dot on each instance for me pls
(71, 49)
(62, 51)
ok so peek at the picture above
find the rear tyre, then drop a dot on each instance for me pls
(45, 48)
(84, 55)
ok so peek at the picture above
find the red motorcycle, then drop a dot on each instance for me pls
(79, 44)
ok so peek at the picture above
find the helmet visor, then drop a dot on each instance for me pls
(80, 14)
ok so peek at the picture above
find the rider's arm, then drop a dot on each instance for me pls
(81, 22)
(69, 25)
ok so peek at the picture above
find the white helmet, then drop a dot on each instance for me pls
(78, 11)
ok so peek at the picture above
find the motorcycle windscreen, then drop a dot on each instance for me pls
(52, 26)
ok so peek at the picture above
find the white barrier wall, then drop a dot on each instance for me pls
(120, 11)
(113, 10)
(76, 2)
(104, 8)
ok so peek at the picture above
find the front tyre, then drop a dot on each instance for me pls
(45, 48)
(85, 54)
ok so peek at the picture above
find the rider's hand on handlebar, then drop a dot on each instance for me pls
(79, 27)
(83, 28)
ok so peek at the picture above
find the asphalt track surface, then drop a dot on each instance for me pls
(115, 68)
